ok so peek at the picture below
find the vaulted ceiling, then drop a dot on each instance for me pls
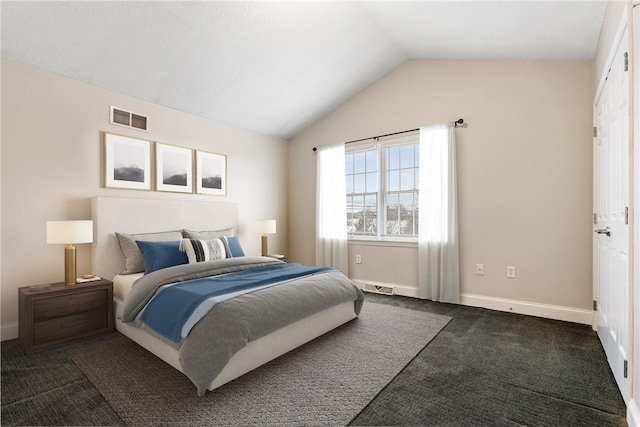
(277, 67)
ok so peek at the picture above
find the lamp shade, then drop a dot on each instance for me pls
(67, 232)
(267, 226)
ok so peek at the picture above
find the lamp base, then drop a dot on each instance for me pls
(70, 265)
(264, 245)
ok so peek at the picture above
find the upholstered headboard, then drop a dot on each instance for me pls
(131, 216)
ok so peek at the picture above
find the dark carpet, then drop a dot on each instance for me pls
(490, 368)
(46, 389)
(484, 368)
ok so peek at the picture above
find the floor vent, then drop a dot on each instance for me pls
(378, 289)
(128, 119)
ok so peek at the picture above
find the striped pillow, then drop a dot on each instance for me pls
(205, 250)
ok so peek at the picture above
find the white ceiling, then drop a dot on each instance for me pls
(277, 67)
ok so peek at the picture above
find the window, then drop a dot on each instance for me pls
(382, 189)
(362, 192)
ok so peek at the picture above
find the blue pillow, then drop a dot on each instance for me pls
(234, 247)
(158, 255)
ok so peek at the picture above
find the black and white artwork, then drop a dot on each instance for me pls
(211, 173)
(174, 168)
(127, 162)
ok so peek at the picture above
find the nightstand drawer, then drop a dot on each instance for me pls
(72, 326)
(57, 306)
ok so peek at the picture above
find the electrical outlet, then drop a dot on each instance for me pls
(480, 269)
(358, 259)
(511, 272)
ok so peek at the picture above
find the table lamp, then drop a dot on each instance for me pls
(264, 227)
(68, 233)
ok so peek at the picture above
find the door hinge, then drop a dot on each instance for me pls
(595, 305)
(626, 61)
(595, 218)
(595, 131)
(626, 369)
(626, 214)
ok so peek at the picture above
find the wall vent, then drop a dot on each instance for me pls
(121, 117)
(378, 289)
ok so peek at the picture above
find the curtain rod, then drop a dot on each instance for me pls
(457, 123)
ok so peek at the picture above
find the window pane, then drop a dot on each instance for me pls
(350, 210)
(354, 220)
(392, 206)
(372, 160)
(349, 183)
(362, 217)
(372, 182)
(393, 158)
(401, 214)
(410, 208)
(393, 182)
(348, 163)
(392, 214)
(371, 215)
(407, 158)
(407, 180)
(359, 162)
(359, 183)
(407, 200)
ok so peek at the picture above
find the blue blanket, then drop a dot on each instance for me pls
(176, 309)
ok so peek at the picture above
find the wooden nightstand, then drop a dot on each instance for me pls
(57, 314)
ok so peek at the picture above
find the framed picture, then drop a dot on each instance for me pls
(211, 173)
(174, 168)
(127, 162)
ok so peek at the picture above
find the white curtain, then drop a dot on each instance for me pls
(331, 209)
(438, 266)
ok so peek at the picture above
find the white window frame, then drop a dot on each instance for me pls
(380, 144)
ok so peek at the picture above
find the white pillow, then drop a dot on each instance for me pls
(204, 250)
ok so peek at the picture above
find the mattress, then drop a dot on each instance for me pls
(122, 284)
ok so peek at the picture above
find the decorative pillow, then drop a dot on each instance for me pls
(133, 260)
(208, 235)
(235, 250)
(204, 250)
(158, 255)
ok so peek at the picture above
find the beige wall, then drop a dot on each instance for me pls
(524, 170)
(52, 166)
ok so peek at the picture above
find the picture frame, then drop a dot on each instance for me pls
(211, 173)
(174, 168)
(127, 162)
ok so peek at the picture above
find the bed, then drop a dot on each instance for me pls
(291, 304)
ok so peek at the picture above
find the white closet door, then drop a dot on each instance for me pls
(611, 199)
(634, 410)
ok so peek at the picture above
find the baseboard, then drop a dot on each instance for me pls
(633, 414)
(9, 331)
(567, 314)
